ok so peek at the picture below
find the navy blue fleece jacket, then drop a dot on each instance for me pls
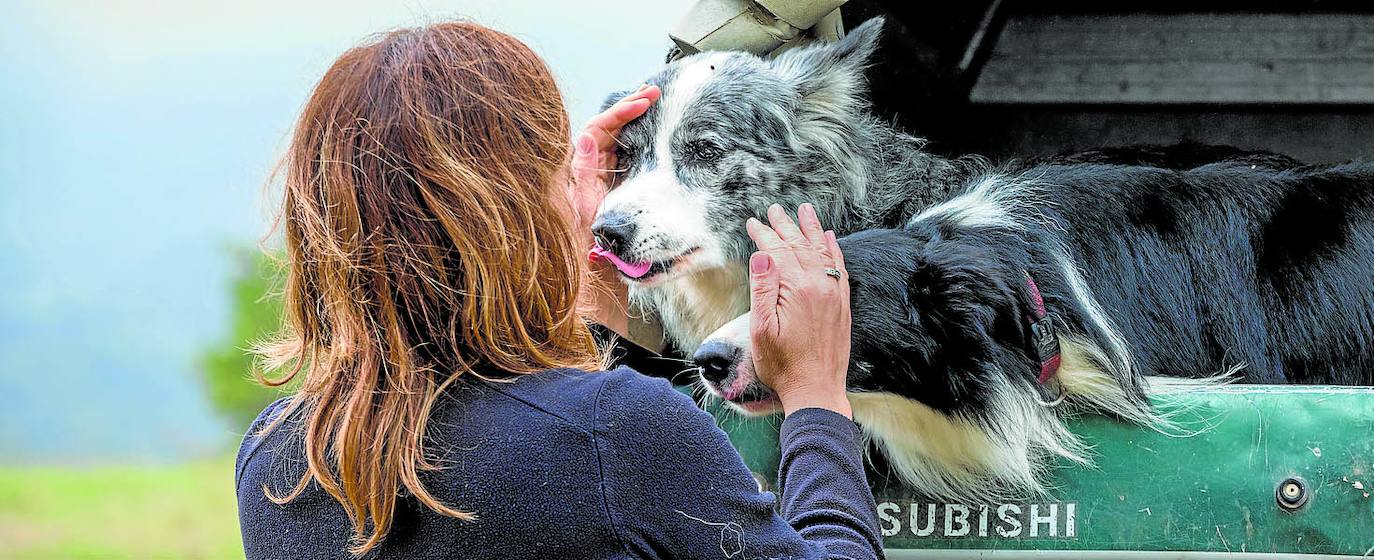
(568, 464)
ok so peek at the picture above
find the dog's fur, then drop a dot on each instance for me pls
(1162, 269)
(1232, 267)
(731, 135)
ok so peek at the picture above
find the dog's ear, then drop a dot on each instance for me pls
(961, 293)
(832, 73)
(614, 97)
(958, 309)
(974, 305)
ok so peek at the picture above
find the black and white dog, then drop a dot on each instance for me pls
(1090, 285)
(981, 320)
(731, 135)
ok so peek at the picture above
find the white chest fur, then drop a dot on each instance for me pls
(694, 306)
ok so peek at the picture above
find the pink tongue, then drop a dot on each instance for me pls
(633, 270)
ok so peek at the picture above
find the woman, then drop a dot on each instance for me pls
(449, 404)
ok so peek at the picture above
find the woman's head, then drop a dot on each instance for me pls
(428, 237)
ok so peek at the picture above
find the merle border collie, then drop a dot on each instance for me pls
(988, 306)
(732, 134)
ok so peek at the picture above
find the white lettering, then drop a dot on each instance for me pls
(1036, 520)
(1004, 521)
(950, 519)
(1006, 513)
(1069, 522)
(890, 525)
(930, 520)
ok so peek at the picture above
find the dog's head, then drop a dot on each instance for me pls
(937, 320)
(731, 134)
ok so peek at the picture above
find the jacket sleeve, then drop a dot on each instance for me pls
(675, 488)
(825, 493)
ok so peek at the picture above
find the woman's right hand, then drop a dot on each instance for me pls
(800, 314)
(605, 299)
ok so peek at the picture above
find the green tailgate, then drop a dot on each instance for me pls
(1214, 491)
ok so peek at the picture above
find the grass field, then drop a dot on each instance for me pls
(171, 511)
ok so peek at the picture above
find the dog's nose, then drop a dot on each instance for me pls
(716, 359)
(614, 231)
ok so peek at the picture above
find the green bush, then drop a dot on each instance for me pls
(255, 314)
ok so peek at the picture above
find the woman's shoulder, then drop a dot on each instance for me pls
(253, 438)
(632, 389)
(606, 401)
(639, 406)
(268, 415)
(567, 396)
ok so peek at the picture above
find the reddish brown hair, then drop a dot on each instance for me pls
(427, 238)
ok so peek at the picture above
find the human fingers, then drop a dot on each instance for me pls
(763, 296)
(768, 241)
(605, 125)
(836, 256)
(810, 225)
(786, 228)
(833, 248)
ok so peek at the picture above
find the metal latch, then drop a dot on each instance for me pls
(762, 27)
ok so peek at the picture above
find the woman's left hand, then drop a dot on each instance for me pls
(593, 161)
(799, 311)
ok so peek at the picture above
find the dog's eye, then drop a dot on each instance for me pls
(704, 151)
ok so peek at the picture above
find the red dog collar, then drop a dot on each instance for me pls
(1044, 340)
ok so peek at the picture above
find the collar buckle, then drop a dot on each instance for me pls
(1044, 338)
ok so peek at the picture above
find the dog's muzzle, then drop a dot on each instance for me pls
(716, 359)
(614, 231)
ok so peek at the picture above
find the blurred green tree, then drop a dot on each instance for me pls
(255, 314)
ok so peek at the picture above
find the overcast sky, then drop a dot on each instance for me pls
(136, 136)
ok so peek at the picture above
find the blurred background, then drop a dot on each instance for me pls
(137, 139)
(136, 142)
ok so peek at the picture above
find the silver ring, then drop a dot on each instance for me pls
(833, 273)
